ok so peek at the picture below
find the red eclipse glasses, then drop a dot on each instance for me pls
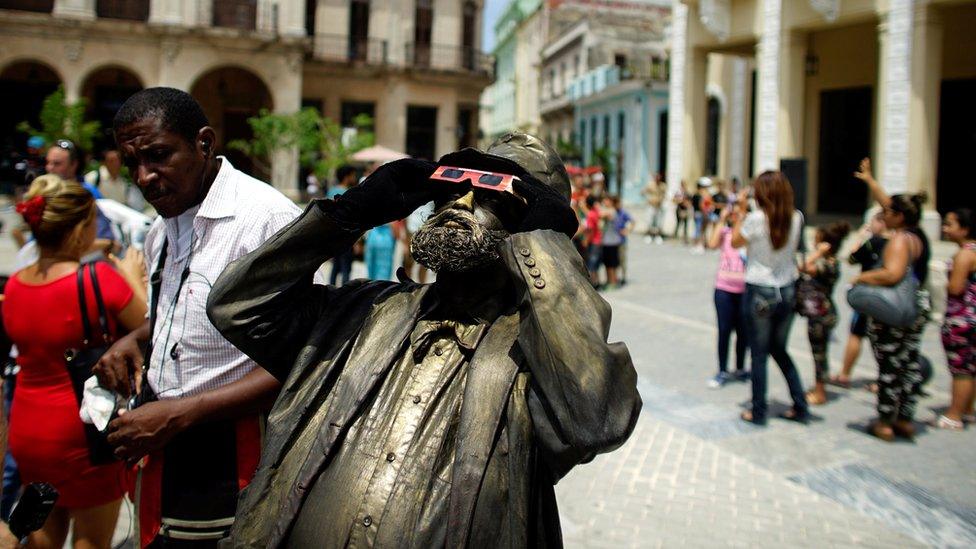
(483, 180)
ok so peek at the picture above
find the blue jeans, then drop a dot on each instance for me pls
(11, 475)
(769, 315)
(341, 268)
(728, 309)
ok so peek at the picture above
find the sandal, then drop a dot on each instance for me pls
(816, 399)
(969, 418)
(881, 431)
(747, 416)
(793, 415)
(836, 381)
(904, 429)
(949, 424)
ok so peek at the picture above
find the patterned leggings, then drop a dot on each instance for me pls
(899, 374)
(818, 331)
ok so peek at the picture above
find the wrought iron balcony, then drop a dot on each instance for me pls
(345, 49)
(235, 14)
(447, 58)
(133, 10)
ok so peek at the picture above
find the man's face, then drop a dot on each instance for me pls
(465, 230)
(58, 162)
(166, 167)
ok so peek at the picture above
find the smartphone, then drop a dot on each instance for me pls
(32, 509)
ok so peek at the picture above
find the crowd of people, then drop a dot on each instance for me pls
(767, 276)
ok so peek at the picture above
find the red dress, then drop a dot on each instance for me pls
(46, 436)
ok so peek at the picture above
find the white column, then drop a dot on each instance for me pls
(291, 18)
(737, 120)
(766, 117)
(287, 95)
(676, 96)
(75, 9)
(166, 12)
(894, 96)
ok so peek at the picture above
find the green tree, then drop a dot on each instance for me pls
(603, 157)
(61, 120)
(568, 150)
(323, 145)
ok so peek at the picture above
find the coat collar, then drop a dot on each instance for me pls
(221, 199)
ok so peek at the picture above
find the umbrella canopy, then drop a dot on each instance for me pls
(377, 153)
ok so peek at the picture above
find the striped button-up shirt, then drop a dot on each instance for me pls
(238, 214)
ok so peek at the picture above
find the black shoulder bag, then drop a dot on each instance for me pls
(80, 362)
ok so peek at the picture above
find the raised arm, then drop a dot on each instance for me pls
(266, 303)
(583, 397)
(864, 174)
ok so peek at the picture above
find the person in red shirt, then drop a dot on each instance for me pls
(594, 239)
(42, 316)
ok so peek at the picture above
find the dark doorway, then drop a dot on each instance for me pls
(236, 127)
(662, 142)
(845, 138)
(467, 127)
(711, 136)
(310, 8)
(358, 30)
(421, 131)
(468, 23)
(422, 31)
(957, 141)
(25, 85)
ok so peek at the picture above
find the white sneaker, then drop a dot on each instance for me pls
(647, 239)
(658, 240)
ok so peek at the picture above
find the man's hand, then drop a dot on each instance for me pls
(823, 248)
(547, 209)
(7, 539)
(120, 364)
(392, 192)
(147, 428)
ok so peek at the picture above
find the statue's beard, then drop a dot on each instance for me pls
(455, 248)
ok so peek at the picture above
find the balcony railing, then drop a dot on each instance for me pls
(133, 10)
(450, 58)
(344, 49)
(42, 6)
(235, 14)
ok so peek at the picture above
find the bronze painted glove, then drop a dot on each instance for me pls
(392, 192)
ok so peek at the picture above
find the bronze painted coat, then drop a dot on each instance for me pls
(544, 390)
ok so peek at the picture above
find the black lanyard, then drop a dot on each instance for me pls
(156, 284)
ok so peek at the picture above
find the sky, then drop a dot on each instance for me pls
(493, 9)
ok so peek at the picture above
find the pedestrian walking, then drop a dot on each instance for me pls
(594, 239)
(730, 286)
(45, 317)
(654, 193)
(819, 274)
(378, 253)
(342, 263)
(770, 235)
(959, 326)
(682, 212)
(896, 348)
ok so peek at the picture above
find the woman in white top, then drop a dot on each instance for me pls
(770, 234)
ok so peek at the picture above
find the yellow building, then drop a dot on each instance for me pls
(820, 84)
(411, 64)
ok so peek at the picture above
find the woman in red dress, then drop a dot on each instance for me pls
(42, 316)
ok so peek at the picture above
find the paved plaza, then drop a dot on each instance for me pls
(694, 475)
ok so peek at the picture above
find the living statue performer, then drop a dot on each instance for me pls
(429, 415)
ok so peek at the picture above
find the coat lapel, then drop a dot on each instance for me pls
(490, 376)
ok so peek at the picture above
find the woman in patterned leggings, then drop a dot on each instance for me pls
(896, 349)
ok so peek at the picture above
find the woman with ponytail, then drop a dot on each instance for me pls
(896, 348)
(771, 234)
(42, 316)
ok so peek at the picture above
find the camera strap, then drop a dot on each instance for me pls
(155, 286)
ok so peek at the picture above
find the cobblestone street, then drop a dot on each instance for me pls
(693, 474)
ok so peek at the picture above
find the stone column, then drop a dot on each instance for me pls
(75, 9)
(166, 12)
(287, 96)
(446, 139)
(737, 120)
(766, 117)
(894, 95)
(291, 18)
(926, 79)
(686, 104)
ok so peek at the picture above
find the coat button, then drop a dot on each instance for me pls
(416, 399)
(524, 251)
(391, 457)
(438, 350)
(529, 262)
(539, 283)
(367, 520)
(536, 273)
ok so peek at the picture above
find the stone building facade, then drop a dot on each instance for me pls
(814, 85)
(413, 65)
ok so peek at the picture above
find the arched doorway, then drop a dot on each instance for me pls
(24, 84)
(104, 91)
(229, 96)
(713, 119)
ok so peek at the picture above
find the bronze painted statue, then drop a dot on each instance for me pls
(429, 415)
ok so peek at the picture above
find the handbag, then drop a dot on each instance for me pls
(892, 305)
(80, 362)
